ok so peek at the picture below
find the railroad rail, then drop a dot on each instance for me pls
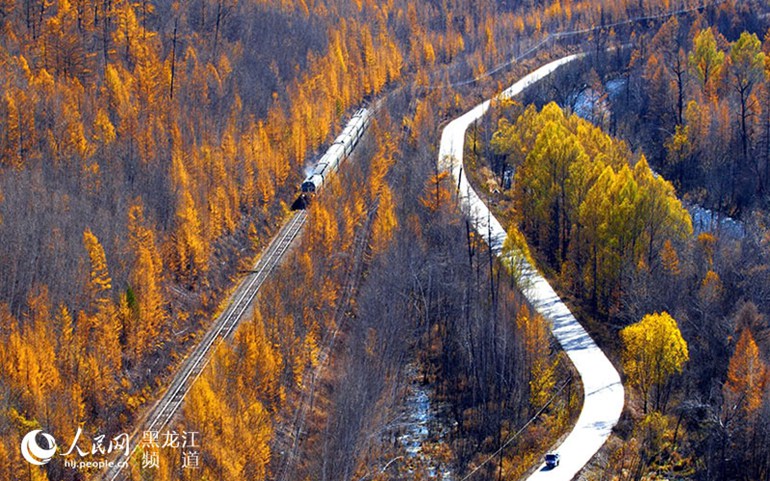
(353, 277)
(167, 407)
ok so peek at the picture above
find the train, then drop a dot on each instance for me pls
(340, 150)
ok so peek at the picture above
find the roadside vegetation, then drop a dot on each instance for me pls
(683, 311)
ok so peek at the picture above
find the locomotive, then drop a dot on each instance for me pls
(329, 163)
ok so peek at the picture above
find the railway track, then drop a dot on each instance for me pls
(287, 468)
(167, 407)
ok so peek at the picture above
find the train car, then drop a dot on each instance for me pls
(329, 163)
(335, 155)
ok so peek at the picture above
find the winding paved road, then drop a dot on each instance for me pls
(603, 390)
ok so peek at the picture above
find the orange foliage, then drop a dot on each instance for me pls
(437, 194)
(747, 376)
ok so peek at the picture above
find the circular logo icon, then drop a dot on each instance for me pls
(32, 451)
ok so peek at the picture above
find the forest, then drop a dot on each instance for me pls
(150, 149)
(635, 254)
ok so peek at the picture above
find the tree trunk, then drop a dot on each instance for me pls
(173, 59)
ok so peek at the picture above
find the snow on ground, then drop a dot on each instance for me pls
(706, 220)
(603, 391)
(421, 428)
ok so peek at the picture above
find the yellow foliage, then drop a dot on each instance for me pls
(191, 253)
(260, 361)
(541, 365)
(146, 275)
(653, 351)
(323, 229)
(708, 243)
(710, 287)
(679, 145)
(516, 255)
(100, 283)
(118, 89)
(386, 221)
(706, 61)
(11, 151)
(670, 259)
(584, 203)
(104, 130)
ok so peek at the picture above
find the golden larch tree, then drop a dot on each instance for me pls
(99, 284)
(653, 351)
(437, 194)
(385, 222)
(11, 153)
(747, 377)
(670, 259)
(706, 61)
(104, 327)
(541, 365)
(146, 276)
